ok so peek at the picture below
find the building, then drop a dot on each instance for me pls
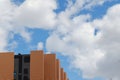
(6, 66)
(22, 67)
(33, 66)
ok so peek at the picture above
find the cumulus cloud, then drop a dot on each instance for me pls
(95, 55)
(40, 46)
(110, 42)
(79, 44)
(30, 14)
(36, 14)
(73, 33)
(6, 14)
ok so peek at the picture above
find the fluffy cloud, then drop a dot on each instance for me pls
(40, 46)
(79, 44)
(95, 55)
(36, 14)
(30, 14)
(110, 42)
(6, 14)
(73, 34)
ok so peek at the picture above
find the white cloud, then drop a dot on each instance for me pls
(3, 41)
(110, 42)
(40, 46)
(78, 44)
(74, 8)
(6, 14)
(30, 14)
(12, 46)
(94, 55)
(36, 14)
(73, 37)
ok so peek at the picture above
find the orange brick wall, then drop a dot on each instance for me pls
(36, 65)
(50, 67)
(65, 76)
(62, 74)
(42, 66)
(58, 69)
(6, 66)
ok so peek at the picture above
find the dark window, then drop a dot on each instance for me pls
(20, 64)
(27, 59)
(25, 78)
(25, 71)
(19, 77)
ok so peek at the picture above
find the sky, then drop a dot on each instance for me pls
(84, 34)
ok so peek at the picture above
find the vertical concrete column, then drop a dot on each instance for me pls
(58, 69)
(62, 74)
(7, 66)
(50, 67)
(37, 65)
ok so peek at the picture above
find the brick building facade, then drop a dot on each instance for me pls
(33, 66)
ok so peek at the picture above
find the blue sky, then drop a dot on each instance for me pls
(75, 36)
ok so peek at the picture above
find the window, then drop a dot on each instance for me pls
(25, 71)
(27, 59)
(25, 78)
(19, 77)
